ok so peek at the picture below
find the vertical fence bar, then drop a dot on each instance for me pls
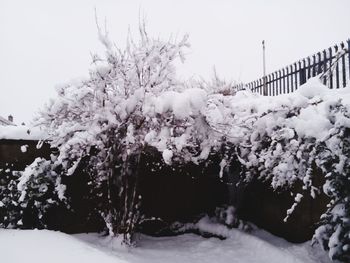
(336, 67)
(308, 67)
(287, 71)
(269, 85)
(259, 89)
(296, 76)
(291, 78)
(314, 64)
(303, 72)
(275, 84)
(319, 68)
(272, 85)
(348, 59)
(284, 80)
(280, 81)
(330, 68)
(324, 66)
(342, 46)
(256, 87)
(302, 77)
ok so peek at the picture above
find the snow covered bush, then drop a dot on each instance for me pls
(27, 196)
(283, 140)
(131, 100)
(334, 230)
(10, 211)
(39, 188)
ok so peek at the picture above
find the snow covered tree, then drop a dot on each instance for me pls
(131, 100)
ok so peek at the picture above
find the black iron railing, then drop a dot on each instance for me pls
(332, 65)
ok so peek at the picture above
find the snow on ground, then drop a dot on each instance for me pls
(39, 246)
(17, 246)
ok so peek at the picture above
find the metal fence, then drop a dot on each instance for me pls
(332, 65)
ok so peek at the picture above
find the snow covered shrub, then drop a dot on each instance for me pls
(334, 230)
(217, 85)
(40, 190)
(283, 139)
(27, 196)
(10, 210)
(131, 100)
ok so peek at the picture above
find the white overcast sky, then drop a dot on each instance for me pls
(44, 43)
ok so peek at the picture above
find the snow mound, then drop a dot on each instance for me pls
(312, 88)
(181, 104)
(36, 246)
(55, 247)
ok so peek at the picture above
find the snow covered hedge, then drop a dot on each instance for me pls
(283, 139)
(133, 99)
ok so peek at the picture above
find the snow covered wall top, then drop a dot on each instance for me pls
(21, 133)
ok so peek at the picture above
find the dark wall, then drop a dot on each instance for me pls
(11, 154)
(267, 209)
(181, 193)
(184, 193)
(258, 203)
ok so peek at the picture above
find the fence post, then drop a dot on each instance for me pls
(296, 76)
(274, 83)
(308, 67)
(314, 64)
(349, 58)
(302, 73)
(291, 78)
(336, 67)
(330, 68)
(287, 71)
(324, 66)
(284, 80)
(319, 70)
(343, 64)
